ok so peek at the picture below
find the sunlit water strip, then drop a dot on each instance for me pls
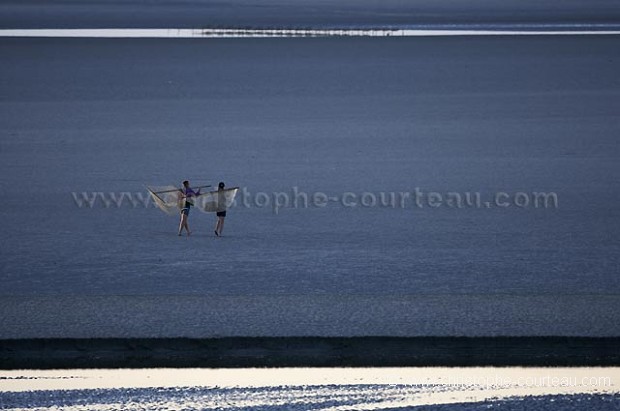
(278, 33)
(328, 389)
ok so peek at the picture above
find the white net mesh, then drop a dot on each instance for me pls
(168, 199)
(219, 200)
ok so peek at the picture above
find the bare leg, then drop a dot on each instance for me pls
(187, 226)
(220, 225)
(182, 223)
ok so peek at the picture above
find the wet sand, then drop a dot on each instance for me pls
(322, 115)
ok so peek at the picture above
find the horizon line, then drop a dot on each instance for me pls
(288, 33)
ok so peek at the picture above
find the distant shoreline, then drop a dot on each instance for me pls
(279, 32)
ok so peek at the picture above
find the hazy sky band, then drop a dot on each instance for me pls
(29, 14)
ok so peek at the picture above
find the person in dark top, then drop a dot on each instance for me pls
(221, 209)
(186, 196)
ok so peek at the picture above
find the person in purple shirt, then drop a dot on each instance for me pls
(186, 196)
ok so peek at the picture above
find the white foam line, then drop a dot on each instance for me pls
(269, 33)
(30, 380)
